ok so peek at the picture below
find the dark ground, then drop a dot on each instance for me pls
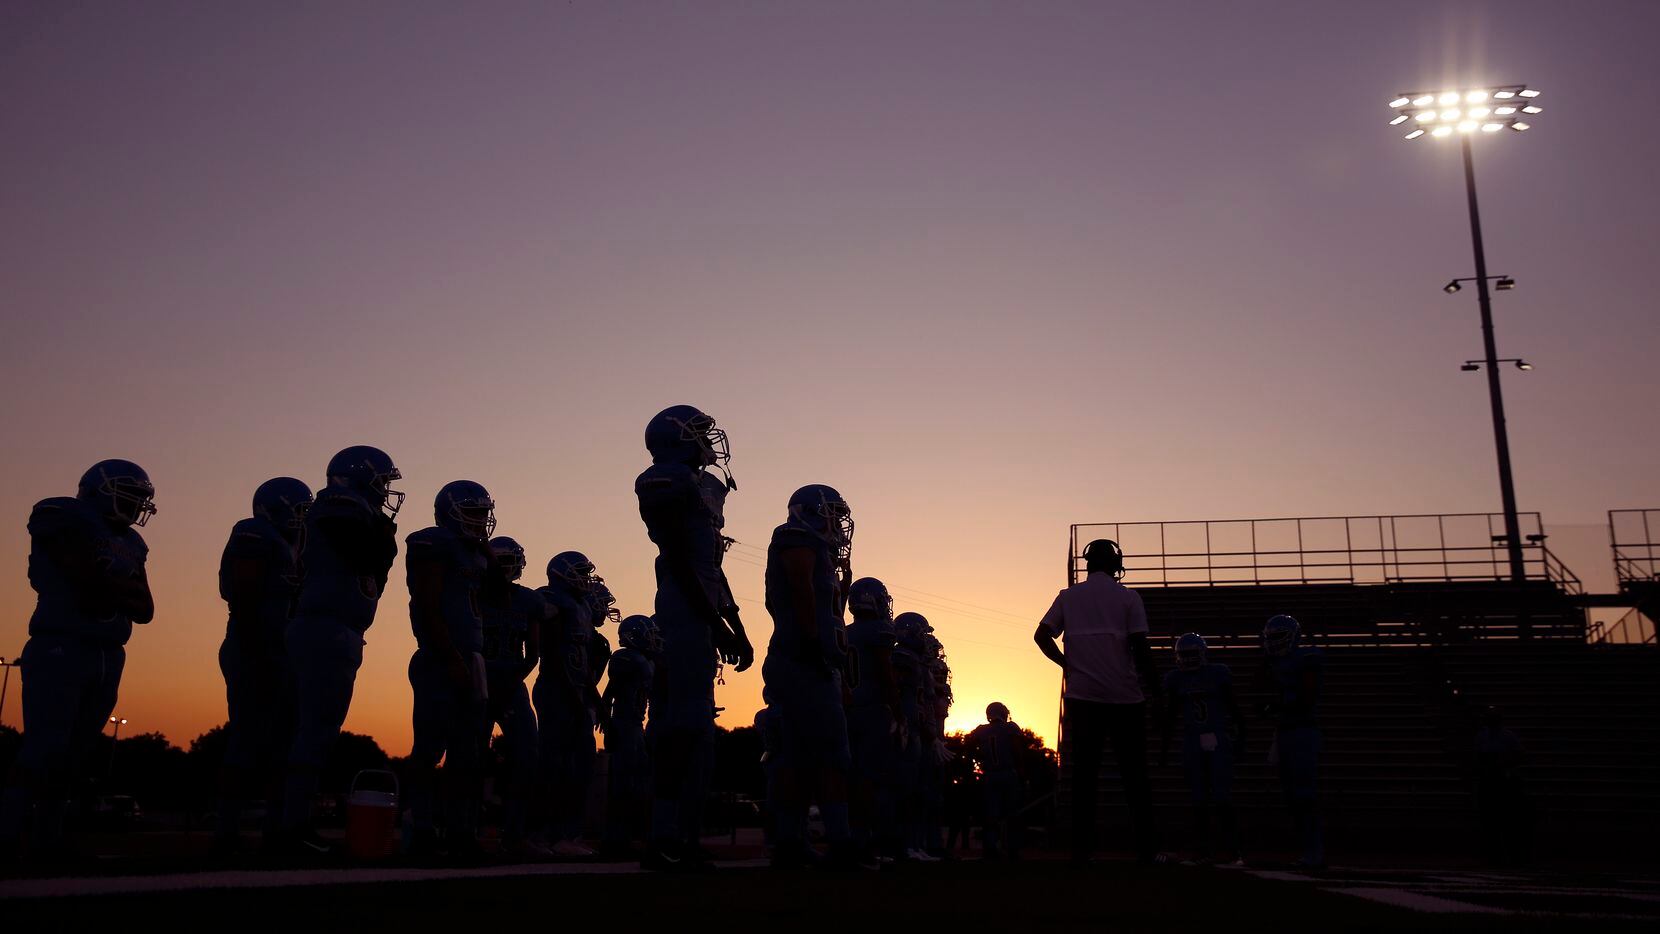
(962, 896)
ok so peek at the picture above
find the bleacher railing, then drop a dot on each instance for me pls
(1634, 534)
(1443, 548)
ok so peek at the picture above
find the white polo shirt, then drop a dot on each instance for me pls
(1097, 616)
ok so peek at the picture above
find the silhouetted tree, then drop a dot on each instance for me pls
(149, 768)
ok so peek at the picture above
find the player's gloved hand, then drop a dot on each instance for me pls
(942, 755)
(740, 654)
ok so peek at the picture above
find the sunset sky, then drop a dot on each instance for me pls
(988, 268)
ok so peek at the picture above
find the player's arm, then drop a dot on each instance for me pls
(803, 597)
(1052, 625)
(425, 573)
(1230, 703)
(1146, 669)
(662, 514)
(533, 637)
(741, 654)
(888, 679)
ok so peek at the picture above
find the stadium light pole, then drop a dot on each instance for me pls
(109, 770)
(7, 664)
(1464, 113)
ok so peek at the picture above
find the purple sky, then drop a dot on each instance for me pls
(990, 268)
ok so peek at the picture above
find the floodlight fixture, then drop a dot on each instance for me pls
(1504, 284)
(1423, 100)
(1504, 111)
(1450, 97)
(1491, 127)
(1400, 102)
(1426, 116)
(1452, 287)
(1415, 134)
(1400, 119)
(1519, 126)
(1470, 367)
(1504, 95)
(1453, 114)
(1442, 131)
(1528, 92)
(1532, 109)
(1476, 97)
(1479, 112)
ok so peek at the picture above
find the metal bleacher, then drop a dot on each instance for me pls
(1423, 629)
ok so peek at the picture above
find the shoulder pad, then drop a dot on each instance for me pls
(430, 538)
(58, 512)
(789, 536)
(677, 478)
(336, 503)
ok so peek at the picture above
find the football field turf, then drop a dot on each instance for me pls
(962, 896)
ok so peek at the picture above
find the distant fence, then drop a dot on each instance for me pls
(1443, 548)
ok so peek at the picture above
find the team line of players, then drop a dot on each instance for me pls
(303, 577)
(854, 715)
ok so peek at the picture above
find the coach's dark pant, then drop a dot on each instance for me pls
(1089, 726)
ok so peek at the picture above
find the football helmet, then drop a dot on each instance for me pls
(465, 508)
(1280, 635)
(1190, 651)
(1103, 554)
(121, 491)
(820, 508)
(603, 603)
(508, 555)
(687, 435)
(868, 598)
(996, 712)
(641, 634)
(368, 472)
(283, 501)
(572, 570)
(910, 629)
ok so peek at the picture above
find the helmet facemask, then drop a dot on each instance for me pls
(390, 500)
(131, 499)
(713, 447)
(474, 517)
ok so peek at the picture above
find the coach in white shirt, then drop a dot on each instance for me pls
(1109, 676)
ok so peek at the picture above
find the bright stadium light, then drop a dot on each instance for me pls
(1478, 115)
(1400, 119)
(1400, 102)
